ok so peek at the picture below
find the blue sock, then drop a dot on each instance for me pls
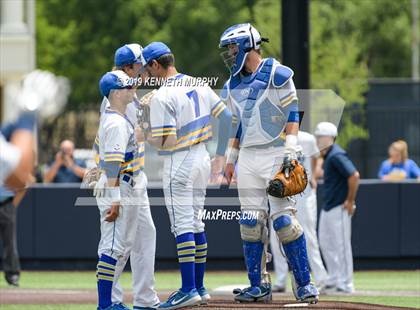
(200, 258)
(105, 274)
(185, 245)
(253, 255)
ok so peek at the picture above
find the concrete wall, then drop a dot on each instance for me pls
(52, 228)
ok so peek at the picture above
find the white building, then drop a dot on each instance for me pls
(17, 47)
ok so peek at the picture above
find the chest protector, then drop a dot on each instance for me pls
(261, 120)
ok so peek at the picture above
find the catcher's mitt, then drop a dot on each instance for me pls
(290, 180)
(143, 111)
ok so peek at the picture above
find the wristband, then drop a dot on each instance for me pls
(114, 194)
(233, 155)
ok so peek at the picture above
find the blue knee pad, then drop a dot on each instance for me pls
(253, 252)
(282, 222)
(287, 228)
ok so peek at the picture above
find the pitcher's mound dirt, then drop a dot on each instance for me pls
(58, 296)
(223, 304)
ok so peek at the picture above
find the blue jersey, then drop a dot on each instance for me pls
(337, 169)
(399, 171)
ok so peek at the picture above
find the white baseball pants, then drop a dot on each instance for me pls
(185, 179)
(132, 235)
(256, 167)
(335, 242)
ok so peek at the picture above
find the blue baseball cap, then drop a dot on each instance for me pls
(154, 50)
(114, 80)
(129, 54)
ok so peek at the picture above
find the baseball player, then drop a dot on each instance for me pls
(128, 59)
(306, 207)
(41, 95)
(120, 191)
(341, 181)
(262, 97)
(180, 126)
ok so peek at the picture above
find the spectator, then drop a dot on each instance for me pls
(341, 181)
(398, 166)
(17, 154)
(65, 168)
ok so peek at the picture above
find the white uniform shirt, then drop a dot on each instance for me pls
(131, 113)
(183, 110)
(310, 150)
(117, 142)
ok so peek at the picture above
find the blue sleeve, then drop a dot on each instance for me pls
(292, 112)
(112, 169)
(414, 172)
(383, 170)
(344, 165)
(26, 121)
(225, 128)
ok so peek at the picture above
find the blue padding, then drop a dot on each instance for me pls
(253, 256)
(272, 119)
(234, 81)
(281, 222)
(282, 75)
(267, 65)
(297, 258)
(249, 222)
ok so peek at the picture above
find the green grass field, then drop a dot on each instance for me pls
(377, 281)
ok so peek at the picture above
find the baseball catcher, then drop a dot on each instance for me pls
(263, 100)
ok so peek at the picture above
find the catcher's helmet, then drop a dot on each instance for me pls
(246, 37)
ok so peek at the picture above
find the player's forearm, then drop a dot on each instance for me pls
(163, 142)
(79, 171)
(292, 112)
(314, 162)
(353, 185)
(24, 141)
(233, 152)
(112, 182)
(292, 128)
(225, 127)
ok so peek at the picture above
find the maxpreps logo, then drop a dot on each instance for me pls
(224, 215)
